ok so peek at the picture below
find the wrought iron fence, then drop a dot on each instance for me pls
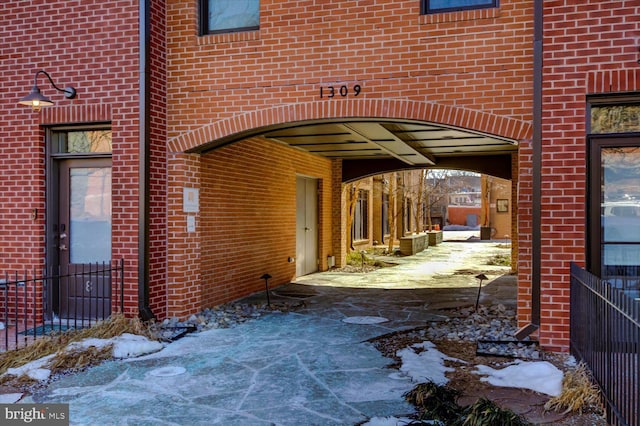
(67, 297)
(605, 334)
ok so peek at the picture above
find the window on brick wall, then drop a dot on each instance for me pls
(613, 246)
(437, 6)
(360, 226)
(224, 16)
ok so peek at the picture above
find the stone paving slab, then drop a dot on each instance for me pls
(307, 367)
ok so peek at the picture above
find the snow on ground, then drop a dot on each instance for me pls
(364, 320)
(428, 365)
(539, 376)
(34, 369)
(124, 346)
(423, 363)
(388, 421)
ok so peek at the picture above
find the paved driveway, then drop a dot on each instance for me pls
(308, 367)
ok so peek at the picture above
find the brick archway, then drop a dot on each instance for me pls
(245, 125)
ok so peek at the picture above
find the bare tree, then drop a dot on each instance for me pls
(437, 187)
(351, 189)
(439, 184)
(392, 212)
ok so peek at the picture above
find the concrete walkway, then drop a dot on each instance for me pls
(307, 367)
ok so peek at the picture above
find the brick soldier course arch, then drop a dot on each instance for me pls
(248, 124)
(237, 183)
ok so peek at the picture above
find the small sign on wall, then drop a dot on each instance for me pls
(191, 224)
(190, 203)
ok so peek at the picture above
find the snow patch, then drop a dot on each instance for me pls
(124, 346)
(426, 365)
(34, 369)
(364, 320)
(169, 371)
(131, 346)
(394, 421)
(540, 376)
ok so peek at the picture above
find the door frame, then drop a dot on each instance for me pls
(52, 202)
(300, 267)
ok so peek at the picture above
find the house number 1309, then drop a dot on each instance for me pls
(332, 91)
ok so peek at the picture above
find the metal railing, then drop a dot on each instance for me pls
(67, 297)
(605, 334)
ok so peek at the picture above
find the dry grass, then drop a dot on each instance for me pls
(116, 325)
(579, 394)
(78, 359)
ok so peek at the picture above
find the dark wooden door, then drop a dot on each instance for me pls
(84, 238)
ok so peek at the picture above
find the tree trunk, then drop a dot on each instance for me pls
(352, 191)
(391, 215)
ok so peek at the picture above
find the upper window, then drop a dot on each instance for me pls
(615, 118)
(81, 142)
(224, 16)
(436, 6)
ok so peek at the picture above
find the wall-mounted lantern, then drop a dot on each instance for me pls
(37, 100)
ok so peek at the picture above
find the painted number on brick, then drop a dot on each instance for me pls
(343, 91)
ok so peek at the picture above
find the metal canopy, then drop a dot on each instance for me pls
(372, 146)
(414, 144)
(397, 145)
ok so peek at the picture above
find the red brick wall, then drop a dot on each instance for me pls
(248, 216)
(157, 176)
(477, 60)
(182, 288)
(457, 215)
(590, 47)
(471, 69)
(93, 46)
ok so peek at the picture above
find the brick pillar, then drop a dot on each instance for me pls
(523, 225)
(514, 212)
(183, 286)
(338, 219)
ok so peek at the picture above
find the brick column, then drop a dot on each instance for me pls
(338, 215)
(183, 286)
(514, 212)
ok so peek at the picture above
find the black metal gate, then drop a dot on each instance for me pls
(605, 334)
(33, 305)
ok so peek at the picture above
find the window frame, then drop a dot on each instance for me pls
(595, 142)
(360, 225)
(594, 237)
(425, 9)
(203, 6)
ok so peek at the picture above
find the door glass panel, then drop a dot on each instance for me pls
(90, 214)
(620, 216)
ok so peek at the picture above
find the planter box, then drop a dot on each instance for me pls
(435, 237)
(413, 244)
(485, 233)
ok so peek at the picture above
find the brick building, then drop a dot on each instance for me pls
(230, 137)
